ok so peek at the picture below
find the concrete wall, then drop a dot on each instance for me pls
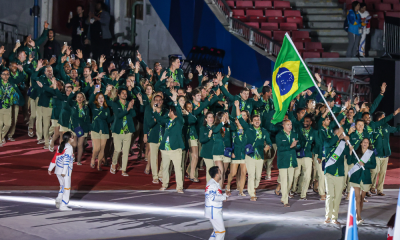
(160, 44)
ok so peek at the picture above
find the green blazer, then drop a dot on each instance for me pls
(381, 137)
(207, 142)
(78, 118)
(154, 130)
(119, 112)
(172, 138)
(101, 117)
(257, 138)
(287, 155)
(307, 142)
(337, 169)
(361, 174)
(218, 146)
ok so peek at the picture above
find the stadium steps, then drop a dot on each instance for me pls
(324, 20)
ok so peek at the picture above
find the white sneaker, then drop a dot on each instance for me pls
(360, 222)
(10, 139)
(65, 208)
(3, 140)
(41, 141)
(58, 203)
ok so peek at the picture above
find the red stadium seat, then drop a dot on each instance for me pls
(274, 16)
(313, 46)
(288, 26)
(311, 55)
(279, 35)
(231, 4)
(396, 7)
(391, 1)
(238, 12)
(263, 5)
(255, 25)
(330, 55)
(292, 13)
(244, 5)
(299, 46)
(297, 20)
(382, 7)
(268, 33)
(254, 12)
(393, 14)
(282, 5)
(301, 36)
(269, 26)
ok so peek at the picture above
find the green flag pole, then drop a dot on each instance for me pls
(319, 91)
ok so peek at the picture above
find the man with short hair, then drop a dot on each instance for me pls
(381, 137)
(45, 104)
(172, 144)
(307, 136)
(154, 131)
(288, 142)
(213, 203)
(8, 97)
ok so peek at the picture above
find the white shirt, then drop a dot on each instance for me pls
(213, 200)
(63, 161)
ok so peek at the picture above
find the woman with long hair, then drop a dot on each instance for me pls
(218, 149)
(207, 140)
(101, 117)
(63, 162)
(238, 159)
(80, 121)
(360, 178)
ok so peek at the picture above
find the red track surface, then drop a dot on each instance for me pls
(24, 163)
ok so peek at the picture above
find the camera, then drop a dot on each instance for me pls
(212, 92)
(156, 105)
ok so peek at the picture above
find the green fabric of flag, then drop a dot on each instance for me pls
(290, 78)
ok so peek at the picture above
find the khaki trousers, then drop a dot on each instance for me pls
(381, 167)
(5, 121)
(154, 160)
(32, 117)
(176, 157)
(209, 164)
(269, 158)
(347, 179)
(286, 180)
(122, 142)
(334, 187)
(320, 174)
(15, 110)
(254, 170)
(43, 117)
(304, 166)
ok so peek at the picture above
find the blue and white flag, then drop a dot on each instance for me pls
(351, 225)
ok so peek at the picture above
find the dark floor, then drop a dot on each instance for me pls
(149, 215)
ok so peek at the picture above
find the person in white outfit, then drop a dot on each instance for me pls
(63, 162)
(365, 29)
(213, 208)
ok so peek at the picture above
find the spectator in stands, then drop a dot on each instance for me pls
(79, 31)
(52, 47)
(354, 35)
(100, 35)
(365, 30)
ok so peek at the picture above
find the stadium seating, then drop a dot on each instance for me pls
(301, 36)
(282, 5)
(311, 55)
(288, 26)
(244, 4)
(269, 26)
(330, 55)
(313, 46)
(263, 5)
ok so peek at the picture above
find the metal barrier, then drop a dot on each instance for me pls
(253, 36)
(392, 35)
(9, 33)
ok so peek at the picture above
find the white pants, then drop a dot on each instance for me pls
(65, 188)
(361, 48)
(219, 228)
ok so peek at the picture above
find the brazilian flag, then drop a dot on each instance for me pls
(290, 78)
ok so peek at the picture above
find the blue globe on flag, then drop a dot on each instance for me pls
(285, 80)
